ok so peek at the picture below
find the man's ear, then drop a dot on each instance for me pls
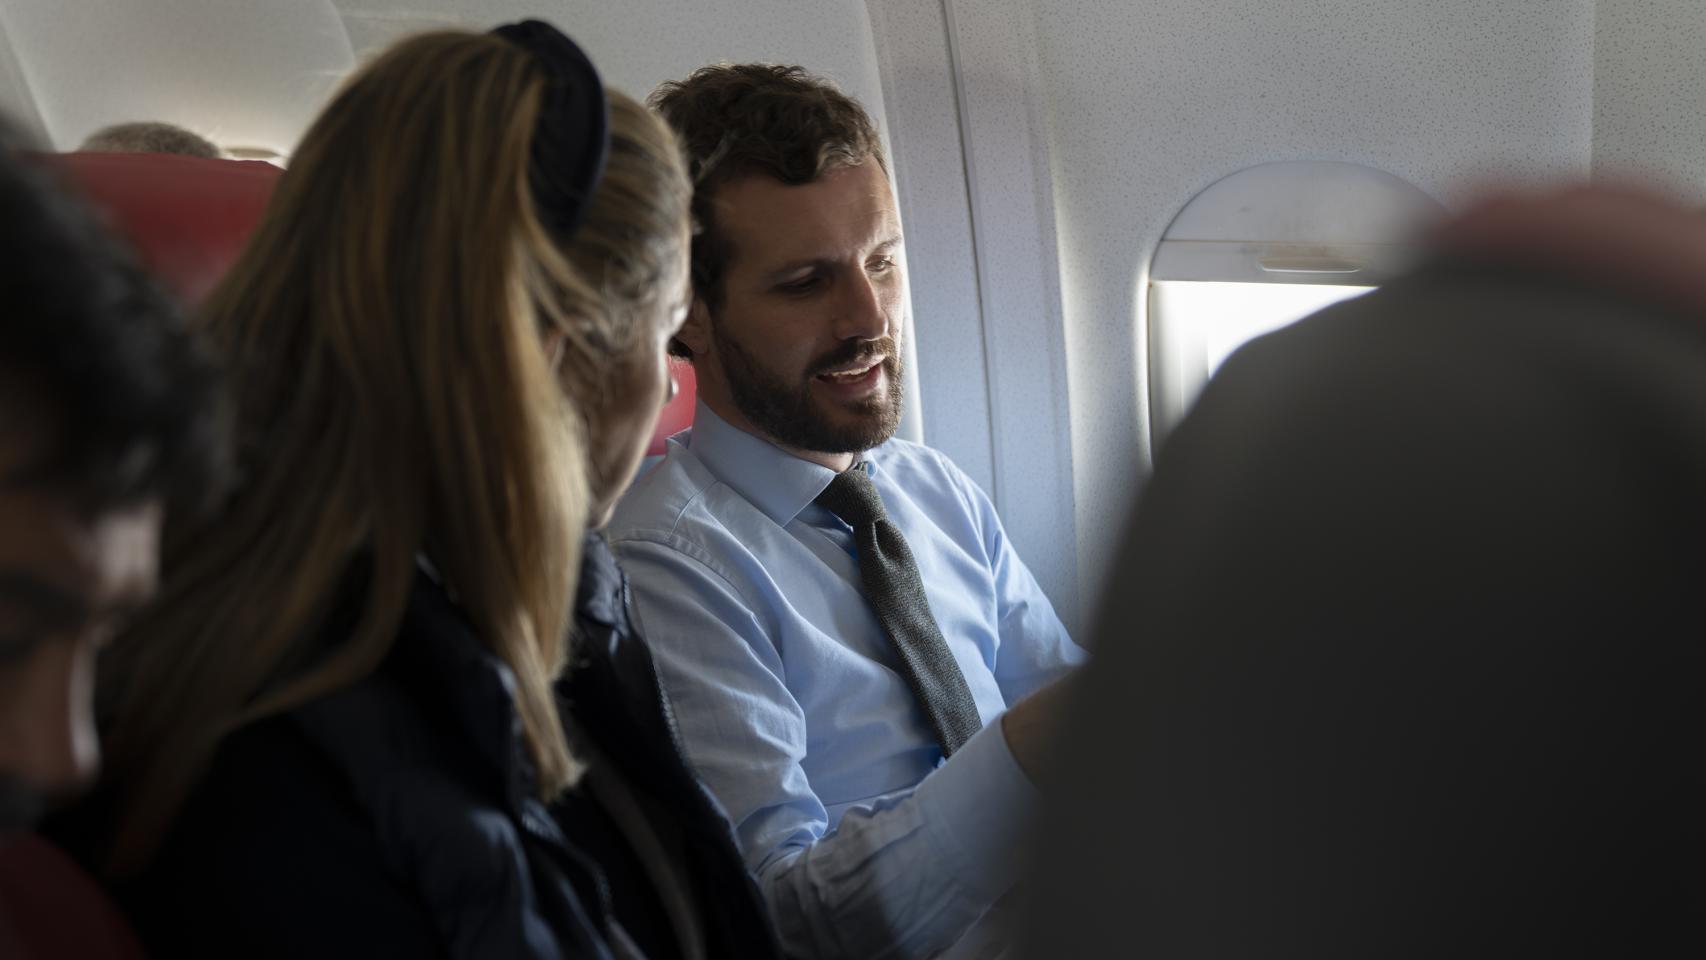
(695, 332)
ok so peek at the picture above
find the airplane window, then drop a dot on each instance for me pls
(1259, 250)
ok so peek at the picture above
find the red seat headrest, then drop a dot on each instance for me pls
(188, 217)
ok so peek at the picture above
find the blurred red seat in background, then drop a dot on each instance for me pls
(189, 217)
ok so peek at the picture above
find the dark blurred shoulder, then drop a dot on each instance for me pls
(272, 856)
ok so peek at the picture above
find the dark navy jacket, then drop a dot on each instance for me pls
(397, 817)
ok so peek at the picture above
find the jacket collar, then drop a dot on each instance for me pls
(602, 593)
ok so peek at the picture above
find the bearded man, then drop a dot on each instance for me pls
(853, 647)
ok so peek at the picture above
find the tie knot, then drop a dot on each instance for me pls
(853, 497)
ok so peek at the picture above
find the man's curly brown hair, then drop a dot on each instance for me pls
(738, 119)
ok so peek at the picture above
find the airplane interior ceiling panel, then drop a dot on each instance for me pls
(15, 98)
(1649, 96)
(247, 75)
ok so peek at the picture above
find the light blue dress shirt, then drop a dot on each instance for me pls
(789, 696)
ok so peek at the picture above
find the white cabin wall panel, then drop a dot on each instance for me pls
(929, 170)
(1149, 103)
(1650, 94)
(1008, 180)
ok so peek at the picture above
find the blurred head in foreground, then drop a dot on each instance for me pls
(1404, 653)
(109, 422)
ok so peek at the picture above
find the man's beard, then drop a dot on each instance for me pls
(787, 412)
(20, 807)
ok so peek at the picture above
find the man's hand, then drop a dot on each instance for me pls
(1031, 724)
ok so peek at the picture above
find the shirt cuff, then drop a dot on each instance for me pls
(976, 808)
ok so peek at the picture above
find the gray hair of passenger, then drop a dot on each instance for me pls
(150, 137)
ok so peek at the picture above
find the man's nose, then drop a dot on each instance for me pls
(862, 314)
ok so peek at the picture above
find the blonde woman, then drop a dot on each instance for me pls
(358, 722)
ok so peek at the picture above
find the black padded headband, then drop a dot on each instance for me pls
(572, 138)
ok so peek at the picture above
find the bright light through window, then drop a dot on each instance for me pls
(1225, 316)
(1196, 325)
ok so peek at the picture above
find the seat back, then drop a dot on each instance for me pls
(188, 217)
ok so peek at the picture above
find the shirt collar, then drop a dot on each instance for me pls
(776, 482)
